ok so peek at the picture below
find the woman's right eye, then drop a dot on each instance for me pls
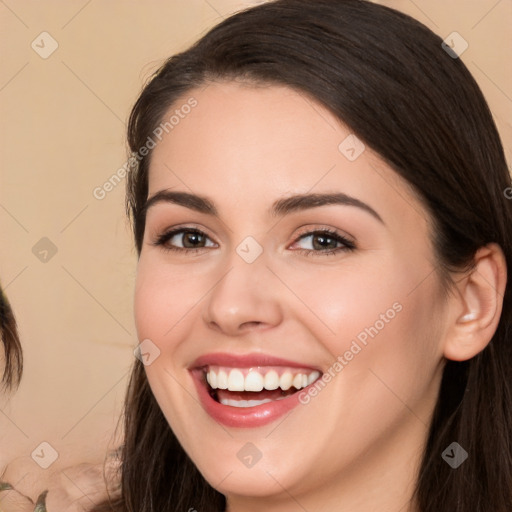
(183, 239)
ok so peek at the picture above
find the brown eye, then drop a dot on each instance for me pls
(183, 239)
(325, 242)
(192, 239)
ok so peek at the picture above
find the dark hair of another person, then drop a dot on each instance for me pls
(13, 356)
(387, 77)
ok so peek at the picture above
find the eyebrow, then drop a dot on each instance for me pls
(279, 208)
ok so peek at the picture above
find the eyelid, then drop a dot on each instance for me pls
(321, 228)
(182, 227)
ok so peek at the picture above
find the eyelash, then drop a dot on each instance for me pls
(162, 240)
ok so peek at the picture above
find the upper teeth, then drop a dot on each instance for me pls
(252, 379)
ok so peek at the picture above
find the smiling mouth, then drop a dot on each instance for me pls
(250, 387)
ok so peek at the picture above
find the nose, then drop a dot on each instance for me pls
(246, 297)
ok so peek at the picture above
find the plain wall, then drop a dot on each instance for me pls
(62, 135)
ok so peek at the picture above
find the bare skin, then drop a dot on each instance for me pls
(72, 489)
(357, 445)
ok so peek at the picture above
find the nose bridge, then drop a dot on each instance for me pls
(243, 295)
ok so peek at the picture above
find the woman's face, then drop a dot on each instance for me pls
(269, 295)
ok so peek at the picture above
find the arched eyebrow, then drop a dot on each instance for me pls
(279, 208)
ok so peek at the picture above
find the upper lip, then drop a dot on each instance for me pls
(246, 361)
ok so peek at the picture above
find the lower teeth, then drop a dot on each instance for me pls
(246, 403)
(232, 402)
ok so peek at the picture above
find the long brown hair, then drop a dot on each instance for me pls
(388, 78)
(13, 355)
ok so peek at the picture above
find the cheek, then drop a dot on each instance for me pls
(382, 315)
(394, 350)
(340, 302)
(163, 297)
(162, 301)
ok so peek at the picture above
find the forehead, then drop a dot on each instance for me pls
(244, 144)
(242, 126)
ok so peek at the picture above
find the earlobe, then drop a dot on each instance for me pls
(478, 305)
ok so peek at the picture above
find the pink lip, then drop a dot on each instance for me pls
(239, 417)
(246, 361)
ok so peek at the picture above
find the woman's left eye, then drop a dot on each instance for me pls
(324, 242)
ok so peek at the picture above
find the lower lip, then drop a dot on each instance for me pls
(243, 417)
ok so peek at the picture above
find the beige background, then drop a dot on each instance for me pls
(62, 135)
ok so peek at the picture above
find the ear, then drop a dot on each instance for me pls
(477, 305)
